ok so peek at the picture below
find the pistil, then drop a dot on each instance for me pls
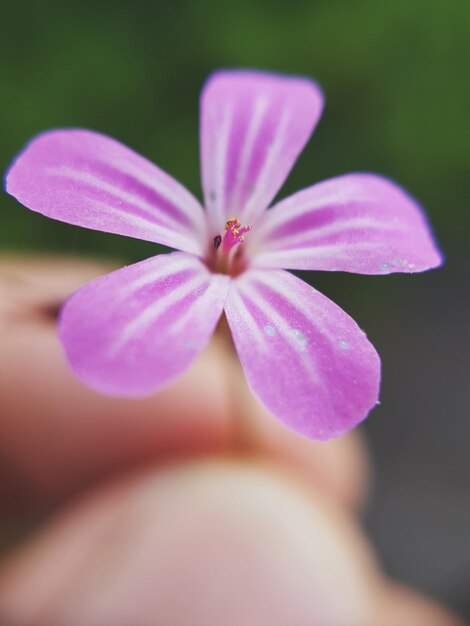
(227, 256)
(234, 234)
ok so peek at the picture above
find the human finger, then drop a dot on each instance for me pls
(211, 543)
(56, 434)
(202, 543)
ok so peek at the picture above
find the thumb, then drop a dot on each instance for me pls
(201, 544)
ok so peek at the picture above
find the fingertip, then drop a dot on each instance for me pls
(398, 605)
(230, 538)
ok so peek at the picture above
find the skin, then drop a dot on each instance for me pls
(193, 506)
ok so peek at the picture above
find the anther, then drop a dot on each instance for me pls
(234, 234)
(232, 222)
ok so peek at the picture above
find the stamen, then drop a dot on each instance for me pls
(232, 222)
(234, 234)
(226, 256)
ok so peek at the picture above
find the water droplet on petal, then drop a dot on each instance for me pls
(343, 344)
(299, 337)
(385, 265)
(200, 291)
(269, 330)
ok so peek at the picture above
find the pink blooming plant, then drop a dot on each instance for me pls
(132, 331)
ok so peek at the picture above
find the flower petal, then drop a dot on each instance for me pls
(304, 357)
(359, 223)
(85, 178)
(253, 127)
(130, 332)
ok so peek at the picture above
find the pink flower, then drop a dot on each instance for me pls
(134, 330)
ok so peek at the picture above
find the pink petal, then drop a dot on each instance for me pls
(355, 223)
(304, 357)
(88, 179)
(253, 127)
(132, 331)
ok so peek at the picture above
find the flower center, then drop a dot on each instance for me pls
(226, 255)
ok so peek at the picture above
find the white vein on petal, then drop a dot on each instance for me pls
(280, 324)
(179, 263)
(200, 304)
(170, 189)
(342, 197)
(337, 252)
(245, 319)
(290, 208)
(151, 313)
(259, 109)
(256, 203)
(313, 233)
(158, 216)
(321, 318)
(161, 234)
(219, 167)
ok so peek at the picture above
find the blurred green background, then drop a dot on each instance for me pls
(396, 79)
(395, 75)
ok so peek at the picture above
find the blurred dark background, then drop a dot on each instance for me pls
(396, 78)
